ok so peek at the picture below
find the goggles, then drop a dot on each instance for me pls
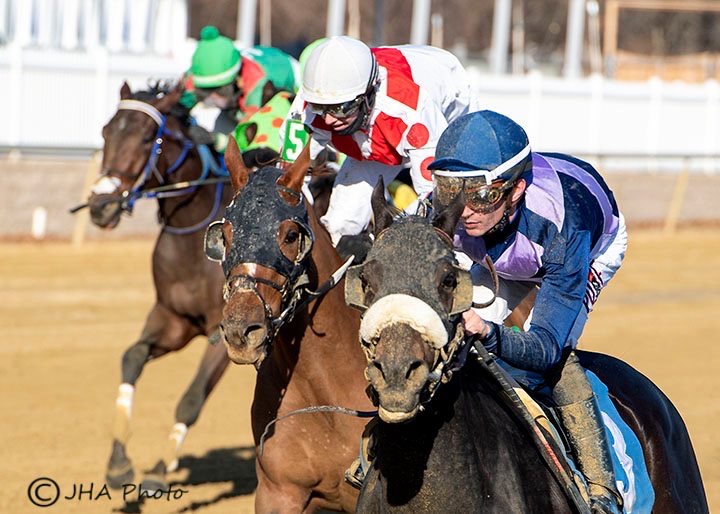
(203, 94)
(340, 111)
(477, 194)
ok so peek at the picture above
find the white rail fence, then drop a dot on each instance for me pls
(56, 99)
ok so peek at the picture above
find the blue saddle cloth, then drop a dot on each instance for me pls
(632, 478)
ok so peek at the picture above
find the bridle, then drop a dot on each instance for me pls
(294, 290)
(150, 169)
(450, 357)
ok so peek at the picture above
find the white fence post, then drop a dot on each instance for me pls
(712, 113)
(335, 18)
(502, 19)
(69, 16)
(420, 22)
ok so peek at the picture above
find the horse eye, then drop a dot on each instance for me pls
(291, 236)
(363, 281)
(148, 139)
(450, 281)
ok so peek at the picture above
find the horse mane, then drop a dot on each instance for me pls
(156, 89)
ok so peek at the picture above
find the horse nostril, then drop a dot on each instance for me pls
(413, 366)
(378, 366)
(252, 329)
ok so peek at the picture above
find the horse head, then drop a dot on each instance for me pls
(412, 293)
(133, 144)
(264, 245)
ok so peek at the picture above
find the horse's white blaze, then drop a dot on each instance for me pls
(402, 308)
(177, 437)
(106, 185)
(249, 269)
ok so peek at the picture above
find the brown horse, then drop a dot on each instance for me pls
(463, 449)
(147, 146)
(275, 255)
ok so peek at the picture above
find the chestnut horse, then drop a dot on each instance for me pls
(148, 147)
(463, 449)
(275, 256)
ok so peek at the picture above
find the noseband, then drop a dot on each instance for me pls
(262, 206)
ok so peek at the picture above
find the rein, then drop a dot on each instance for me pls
(312, 410)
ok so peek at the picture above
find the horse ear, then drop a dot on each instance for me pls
(235, 165)
(170, 99)
(295, 173)
(125, 91)
(447, 219)
(381, 213)
(268, 91)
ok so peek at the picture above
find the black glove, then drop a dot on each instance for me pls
(358, 245)
(201, 136)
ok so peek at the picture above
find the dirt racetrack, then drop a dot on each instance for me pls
(68, 313)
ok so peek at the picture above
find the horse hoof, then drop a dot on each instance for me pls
(116, 478)
(119, 469)
(153, 483)
(154, 480)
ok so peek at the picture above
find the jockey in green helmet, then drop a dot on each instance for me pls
(236, 82)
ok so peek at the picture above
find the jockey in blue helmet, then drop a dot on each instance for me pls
(547, 221)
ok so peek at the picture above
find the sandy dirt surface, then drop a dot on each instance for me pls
(68, 313)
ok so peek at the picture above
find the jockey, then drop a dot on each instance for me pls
(238, 83)
(385, 108)
(549, 220)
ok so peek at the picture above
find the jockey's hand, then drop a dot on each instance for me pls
(201, 136)
(474, 324)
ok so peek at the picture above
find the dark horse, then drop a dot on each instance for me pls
(148, 146)
(278, 263)
(464, 449)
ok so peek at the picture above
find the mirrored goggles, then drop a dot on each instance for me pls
(477, 194)
(342, 110)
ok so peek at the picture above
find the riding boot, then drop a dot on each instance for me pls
(584, 427)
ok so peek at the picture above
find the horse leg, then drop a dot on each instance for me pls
(279, 499)
(163, 332)
(212, 366)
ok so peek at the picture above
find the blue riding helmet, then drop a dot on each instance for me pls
(481, 154)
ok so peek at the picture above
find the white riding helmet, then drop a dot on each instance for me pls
(338, 70)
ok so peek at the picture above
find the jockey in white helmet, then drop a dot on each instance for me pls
(385, 108)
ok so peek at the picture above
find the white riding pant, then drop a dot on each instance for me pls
(350, 211)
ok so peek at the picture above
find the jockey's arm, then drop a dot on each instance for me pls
(557, 306)
(319, 139)
(420, 142)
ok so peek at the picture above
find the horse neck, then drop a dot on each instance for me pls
(466, 424)
(186, 209)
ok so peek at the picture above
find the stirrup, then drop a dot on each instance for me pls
(605, 504)
(355, 475)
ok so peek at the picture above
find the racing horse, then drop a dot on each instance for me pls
(283, 315)
(446, 440)
(148, 153)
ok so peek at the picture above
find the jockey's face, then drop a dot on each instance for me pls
(478, 223)
(337, 124)
(339, 116)
(220, 97)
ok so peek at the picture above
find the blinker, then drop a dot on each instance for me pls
(215, 242)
